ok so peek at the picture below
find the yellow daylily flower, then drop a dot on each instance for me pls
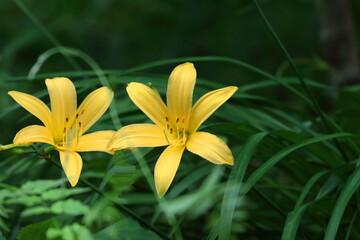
(175, 125)
(65, 124)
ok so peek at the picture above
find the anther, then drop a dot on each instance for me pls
(177, 120)
(183, 120)
(82, 112)
(77, 115)
(64, 130)
(66, 119)
(79, 124)
(167, 126)
(171, 130)
(167, 119)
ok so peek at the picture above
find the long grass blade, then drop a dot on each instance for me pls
(348, 191)
(265, 167)
(234, 184)
(47, 33)
(294, 217)
(313, 100)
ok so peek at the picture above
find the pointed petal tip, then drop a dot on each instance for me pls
(231, 90)
(57, 79)
(166, 168)
(186, 64)
(106, 91)
(187, 67)
(71, 163)
(230, 162)
(234, 88)
(73, 182)
(160, 193)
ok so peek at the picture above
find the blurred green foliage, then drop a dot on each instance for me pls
(289, 181)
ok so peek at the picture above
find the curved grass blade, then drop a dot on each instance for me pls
(313, 100)
(86, 58)
(234, 184)
(294, 217)
(348, 191)
(265, 167)
(44, 30)
(351, 225)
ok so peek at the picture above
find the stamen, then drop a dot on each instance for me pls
(183, 139)
(166, 137)
(177, 127)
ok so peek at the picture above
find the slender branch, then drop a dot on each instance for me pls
(119, 206)
(315, 104)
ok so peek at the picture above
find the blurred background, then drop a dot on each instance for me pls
(322, 37)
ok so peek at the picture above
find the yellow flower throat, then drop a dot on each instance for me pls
(71, 133)
(175, 132)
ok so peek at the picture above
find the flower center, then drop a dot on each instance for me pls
(71, 133)
(175, 131)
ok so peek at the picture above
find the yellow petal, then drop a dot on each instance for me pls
(94, 106)
(32, 134)
(207, 105)
(62, 95)
(149, 102)
(138, 135)
(180, 90)
(72, 165)
(96, 141)
(210, 147)
(166, 167)
(34, 105)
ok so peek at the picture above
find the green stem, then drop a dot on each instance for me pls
(12, 145)
(7, 146)
(41, 27)
(315, 104)
(119, 206)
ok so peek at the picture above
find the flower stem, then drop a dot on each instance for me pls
(119, 206)
(11, 145)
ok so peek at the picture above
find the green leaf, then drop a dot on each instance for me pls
(36, 231)
(265, 167)
(234, 184)
(35, 211)
(294, 217)
(3, 226)
(25, 200)
(332, 183)
(61, 193)
(75, 232)
(39, 186)
(124, 230)
(349, 189)
(69, 207)
(69, 232)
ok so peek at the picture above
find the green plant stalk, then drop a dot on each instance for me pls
(41, 27)
(315, 104)
(11, 146)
